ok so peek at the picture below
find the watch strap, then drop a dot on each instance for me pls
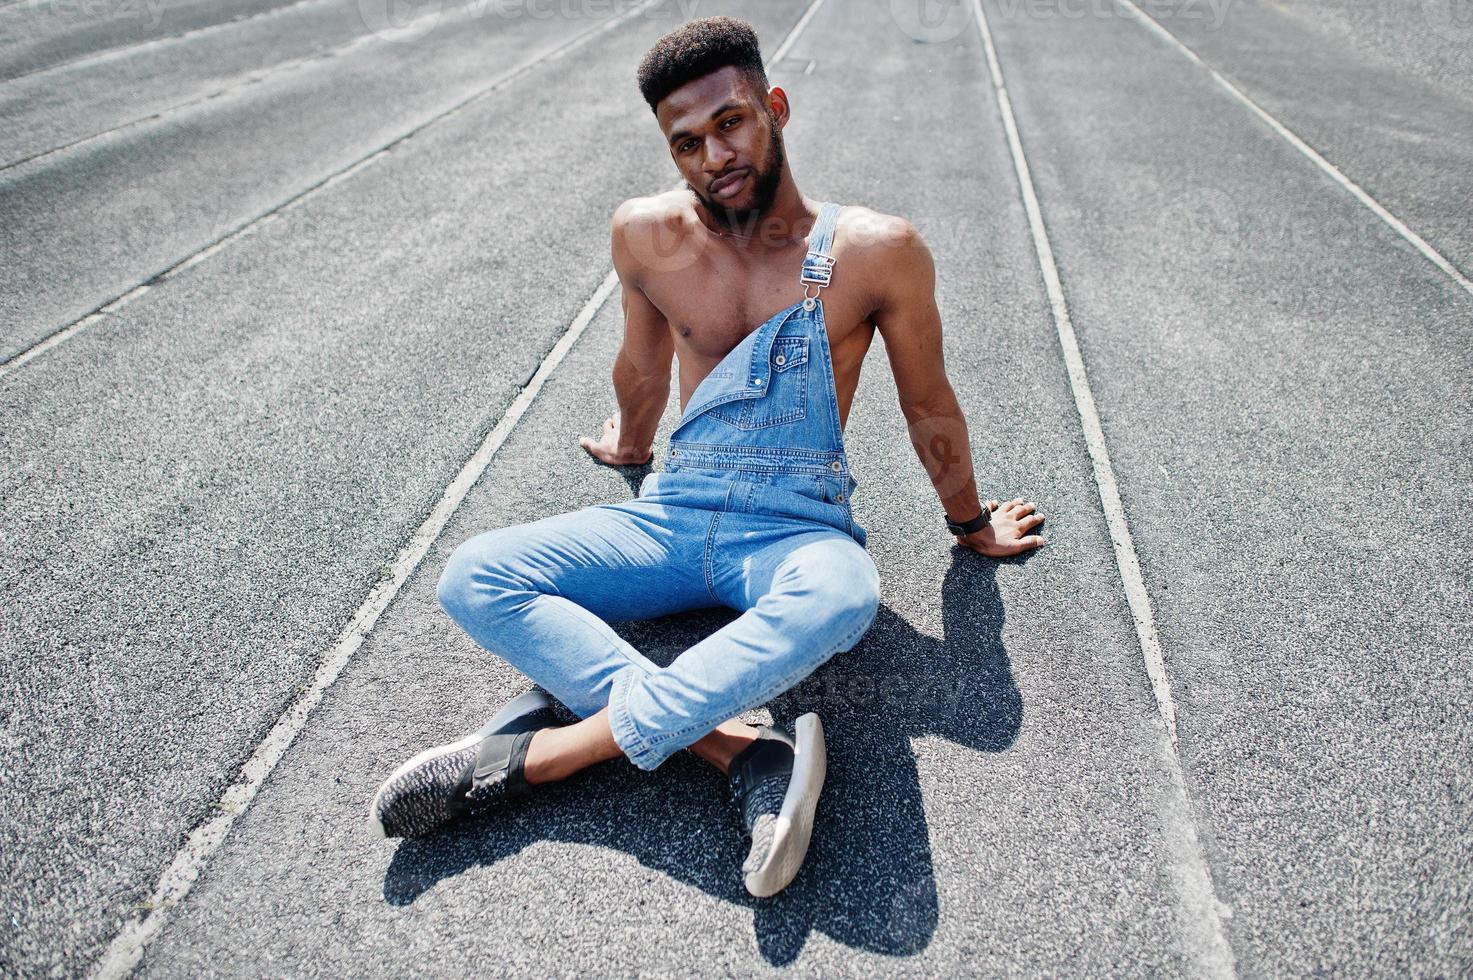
(970, 527)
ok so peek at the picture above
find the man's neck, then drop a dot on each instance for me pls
(786, 221)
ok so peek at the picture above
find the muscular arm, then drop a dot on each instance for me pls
(910, 324)
(642, 366)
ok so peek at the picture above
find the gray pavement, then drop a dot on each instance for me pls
(1286, 390)
(1384, 91)
(954, 809)
(159, 192)
(200, 488)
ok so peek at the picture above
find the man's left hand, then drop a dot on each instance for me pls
(1007, 533)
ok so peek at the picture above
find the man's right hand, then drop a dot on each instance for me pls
(606, 447)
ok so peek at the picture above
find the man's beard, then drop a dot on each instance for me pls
(764, 191)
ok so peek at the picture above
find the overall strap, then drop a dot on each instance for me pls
(818, 265)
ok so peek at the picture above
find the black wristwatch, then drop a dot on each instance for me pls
(970, 527)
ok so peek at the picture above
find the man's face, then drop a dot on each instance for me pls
(727, 141)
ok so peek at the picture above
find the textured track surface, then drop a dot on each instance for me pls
(201, 486)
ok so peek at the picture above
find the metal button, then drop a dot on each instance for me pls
(840, 498)
(779, 360)
(836, 466)
(675, 452)
(756, 382)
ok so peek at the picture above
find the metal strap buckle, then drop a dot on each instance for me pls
(817, 269)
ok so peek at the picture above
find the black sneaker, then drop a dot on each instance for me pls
(466, 776)
(775, 782)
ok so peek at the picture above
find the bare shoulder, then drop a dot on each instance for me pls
(647, 233)
(671, 210)
(887, 249)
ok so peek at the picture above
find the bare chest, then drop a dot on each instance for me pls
(712, 305)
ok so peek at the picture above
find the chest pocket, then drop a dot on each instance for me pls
(786, 398)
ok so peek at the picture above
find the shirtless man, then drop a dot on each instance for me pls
(770, 300)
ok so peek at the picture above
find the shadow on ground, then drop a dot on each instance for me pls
(868, 881)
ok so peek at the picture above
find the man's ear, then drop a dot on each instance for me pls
(777, 99)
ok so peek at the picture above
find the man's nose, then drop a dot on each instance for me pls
(719, 155)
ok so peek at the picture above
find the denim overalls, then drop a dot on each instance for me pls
(752, 511)
(768, 414)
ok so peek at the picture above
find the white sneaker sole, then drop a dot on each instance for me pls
(795, 820)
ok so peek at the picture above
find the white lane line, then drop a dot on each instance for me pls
(1190, 873)
(1094, 435)
(245, 80)
(129, 49)
(127, 296)
(128, 946)
(1397, 225)
(792, 38)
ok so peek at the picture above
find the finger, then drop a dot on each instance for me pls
(992, 505)
(1024, 509)
(1030, 522)
(1031, 542)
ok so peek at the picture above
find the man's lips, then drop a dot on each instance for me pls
(728, 183)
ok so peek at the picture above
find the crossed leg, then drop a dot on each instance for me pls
(539, 595)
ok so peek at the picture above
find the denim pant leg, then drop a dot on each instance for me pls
(807, 593)
(540, 595)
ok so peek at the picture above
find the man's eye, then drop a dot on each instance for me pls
(731, 120)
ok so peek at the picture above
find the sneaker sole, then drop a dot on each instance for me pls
(795, 820)
(519, 714)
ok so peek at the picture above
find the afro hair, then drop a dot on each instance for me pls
(696, 49)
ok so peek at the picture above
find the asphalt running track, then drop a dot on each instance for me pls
(289, 308)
